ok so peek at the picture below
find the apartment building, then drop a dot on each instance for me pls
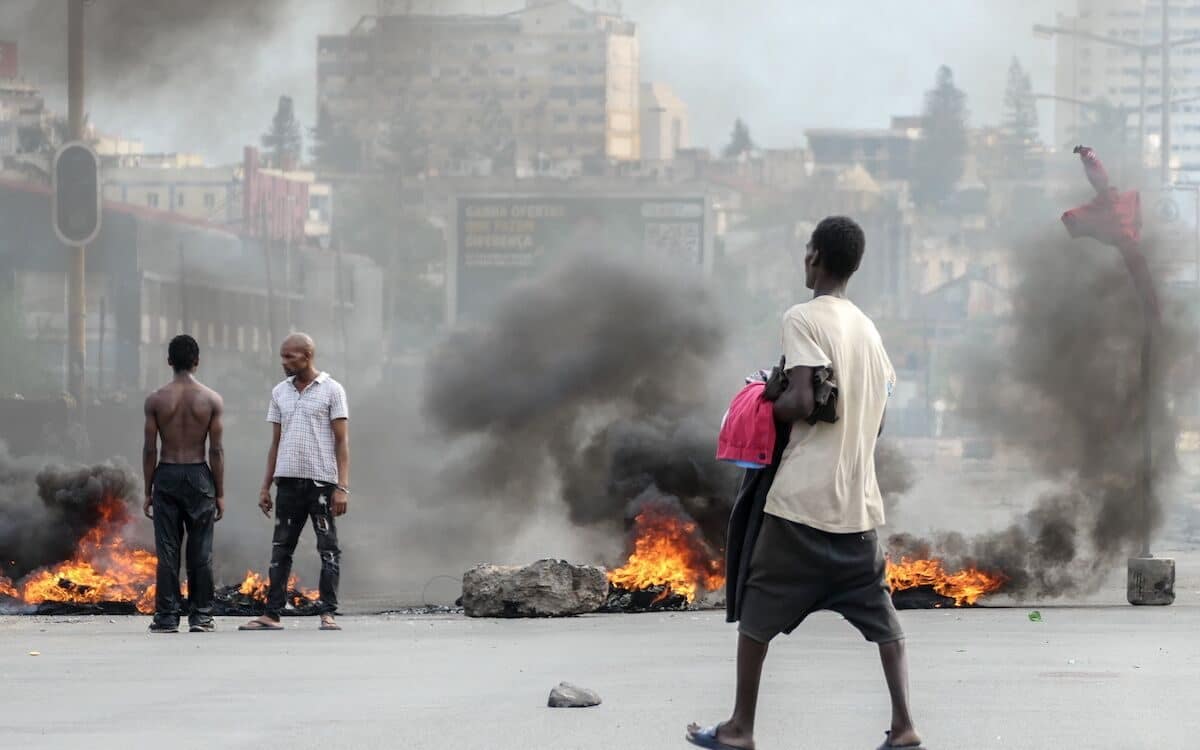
(1089, 70)
(552, 88)
(664, 120)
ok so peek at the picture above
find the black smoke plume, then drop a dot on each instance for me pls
(46, 509)
(593, 379)
(1066, 389)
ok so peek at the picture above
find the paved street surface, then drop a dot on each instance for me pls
(1096, 677)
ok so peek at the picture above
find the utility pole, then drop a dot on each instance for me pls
(77, 273)
(1166, 93)
(1141, 141)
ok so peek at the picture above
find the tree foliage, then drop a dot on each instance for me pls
(942, 151)
(740, 141)
(284, 141)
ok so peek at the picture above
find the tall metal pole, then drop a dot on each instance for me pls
(1166, 93)
(1141, 147)
(77, 271)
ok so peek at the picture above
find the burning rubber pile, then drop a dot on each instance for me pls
(71, 553)
(671, 564)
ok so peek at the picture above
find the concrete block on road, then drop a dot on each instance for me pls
(1151, 581)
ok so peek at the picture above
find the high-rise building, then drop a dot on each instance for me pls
(664, 117)
(552, 87)
(1099, 84)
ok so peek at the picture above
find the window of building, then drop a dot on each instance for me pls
(179, 199)
(152, 200)
(210, 200)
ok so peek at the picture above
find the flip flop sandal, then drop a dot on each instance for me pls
(708, 738)
(329, 625)
(257, 625)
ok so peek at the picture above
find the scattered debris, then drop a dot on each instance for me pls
(1035, 616)
(230, 601)
(651, 599)
(566, 695)
(922, 597)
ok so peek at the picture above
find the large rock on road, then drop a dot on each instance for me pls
(547, 588)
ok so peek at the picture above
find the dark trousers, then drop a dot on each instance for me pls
(184, 502)
(296, 501)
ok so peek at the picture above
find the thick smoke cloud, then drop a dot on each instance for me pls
(45, 510)
(1067, 390)
(594, 379)
(167, 71)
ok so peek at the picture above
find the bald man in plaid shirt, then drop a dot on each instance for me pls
(309, 463)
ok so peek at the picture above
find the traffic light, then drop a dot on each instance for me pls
(76, 209)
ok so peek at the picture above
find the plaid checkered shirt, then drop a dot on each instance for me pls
(306, 444)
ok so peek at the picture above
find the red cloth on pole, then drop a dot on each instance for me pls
(1115, 219)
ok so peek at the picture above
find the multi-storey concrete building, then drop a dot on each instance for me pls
(1089, 70)
(664, 118)
(551, 88)
(300, 207)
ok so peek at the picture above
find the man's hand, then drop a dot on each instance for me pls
(264, 501)
(220, 508)
(341, 503)
(148, 507)
(777, 382)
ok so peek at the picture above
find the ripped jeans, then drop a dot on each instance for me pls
(297, 500)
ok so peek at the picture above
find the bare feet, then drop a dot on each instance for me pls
(727, 734)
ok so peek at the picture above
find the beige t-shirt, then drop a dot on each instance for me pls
(827, 477)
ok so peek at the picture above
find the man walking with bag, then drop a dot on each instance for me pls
(817, 548)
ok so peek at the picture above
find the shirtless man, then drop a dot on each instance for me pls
(182, 492)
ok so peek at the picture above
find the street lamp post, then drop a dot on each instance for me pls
(1144, 51)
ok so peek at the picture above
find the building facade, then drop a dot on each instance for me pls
(290, 206)
(886, 153)
(549, 88)
(664, 121)
(152, 275)
(1091, 73)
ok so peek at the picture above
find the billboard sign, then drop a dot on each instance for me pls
(500, 240)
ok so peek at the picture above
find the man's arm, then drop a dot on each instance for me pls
(264, 495)
(341, 443)
(216, 452)
(798, 401)
(149, 454)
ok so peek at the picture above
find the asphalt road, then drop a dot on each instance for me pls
(1090, 677)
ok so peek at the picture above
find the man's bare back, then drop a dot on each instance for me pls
(185, 417)
(183, 412)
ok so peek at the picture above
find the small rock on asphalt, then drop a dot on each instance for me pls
(566, 695)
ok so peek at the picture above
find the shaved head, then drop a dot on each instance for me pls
(301, 341)
(297, 353)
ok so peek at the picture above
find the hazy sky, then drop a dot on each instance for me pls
(782, 65)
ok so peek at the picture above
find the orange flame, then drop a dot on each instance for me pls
(255, 587)
(105, 568)
(964, 587)
(669, 551)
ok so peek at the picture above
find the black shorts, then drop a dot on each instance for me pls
(796, 570)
